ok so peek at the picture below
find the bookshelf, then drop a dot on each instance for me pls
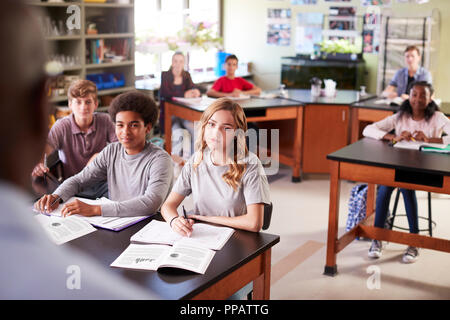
(114, 25)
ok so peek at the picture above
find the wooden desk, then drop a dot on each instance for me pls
(325, 125)
(245, 257)
(285, 115)
(375, 162)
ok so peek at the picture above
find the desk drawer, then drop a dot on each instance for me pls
(372, 115)
(271, 114)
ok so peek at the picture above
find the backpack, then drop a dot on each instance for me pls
(356, 205)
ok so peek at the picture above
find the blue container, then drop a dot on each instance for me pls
(219, 70)
(107, 80)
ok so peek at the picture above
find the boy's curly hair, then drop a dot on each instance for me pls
(135, 101)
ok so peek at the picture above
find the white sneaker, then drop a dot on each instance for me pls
(410, 255)
(375, 249)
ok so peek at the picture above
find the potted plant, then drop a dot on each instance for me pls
(340, 49)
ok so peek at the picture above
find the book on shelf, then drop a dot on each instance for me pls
(109, 50)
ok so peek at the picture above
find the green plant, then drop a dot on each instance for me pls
(338, 46)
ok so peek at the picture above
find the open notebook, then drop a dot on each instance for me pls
(155, 256)
(415, 145)
(157, 245)
(203, 235)
(201, 103)
(109, 223)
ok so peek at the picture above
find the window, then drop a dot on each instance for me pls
(160, 25)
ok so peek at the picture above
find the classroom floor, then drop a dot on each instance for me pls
(300, 217)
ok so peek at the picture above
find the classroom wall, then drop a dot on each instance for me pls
(245, 28)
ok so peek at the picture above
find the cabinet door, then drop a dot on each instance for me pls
(326, 130)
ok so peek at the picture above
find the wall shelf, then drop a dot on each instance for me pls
(77, 45)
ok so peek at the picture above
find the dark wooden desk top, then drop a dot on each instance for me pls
(171, 283)
(343, 97)
(253, 103)
(370, 104)
(378, 153)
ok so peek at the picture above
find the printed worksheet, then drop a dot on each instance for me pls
(203, 235)
(155, 256)
(61, 230)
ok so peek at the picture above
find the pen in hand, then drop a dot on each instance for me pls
(186, 217)
(184, 213)
(45, 165)
(51, 205)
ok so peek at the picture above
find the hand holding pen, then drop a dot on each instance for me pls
(182, 224)
(47, 203)
(41, 169)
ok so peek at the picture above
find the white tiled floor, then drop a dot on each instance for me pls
(301, 215)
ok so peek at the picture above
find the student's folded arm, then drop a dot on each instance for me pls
(158, 187)
(254, 91)
(251, 221)
(215, 94)
(379, 129)
(94, 172)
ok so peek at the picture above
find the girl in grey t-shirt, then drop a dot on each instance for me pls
(227, 182)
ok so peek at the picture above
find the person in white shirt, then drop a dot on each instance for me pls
(418, 119)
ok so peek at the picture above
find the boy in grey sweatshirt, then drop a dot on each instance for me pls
(139, 174)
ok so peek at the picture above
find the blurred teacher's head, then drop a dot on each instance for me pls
(23, 106)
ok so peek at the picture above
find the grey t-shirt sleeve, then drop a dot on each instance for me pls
(158, 187)
(96, 171)
(255, 185)
(183, 184)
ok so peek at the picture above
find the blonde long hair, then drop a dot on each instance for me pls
(236, 168)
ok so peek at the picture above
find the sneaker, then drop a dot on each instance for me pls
(410, 255)
(375, 249)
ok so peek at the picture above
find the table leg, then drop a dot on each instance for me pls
(261, 285)
(370, 204)
(354, 125)
(333, 219)
(296, 170)
(168, 128)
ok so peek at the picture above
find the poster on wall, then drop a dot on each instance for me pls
(308, 32)
(301, 2)
(384, 3)
(371, 32)
(342, 18)
(279, 27)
